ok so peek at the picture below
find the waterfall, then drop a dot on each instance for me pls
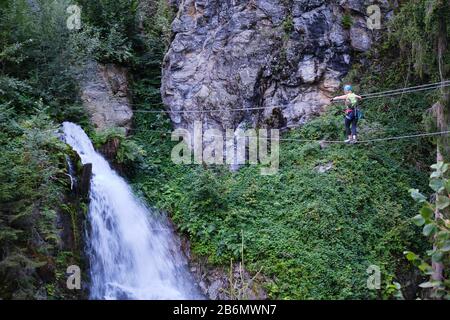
(132, 251)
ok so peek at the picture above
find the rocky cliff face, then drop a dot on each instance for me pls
(104, 92)
(286, 56)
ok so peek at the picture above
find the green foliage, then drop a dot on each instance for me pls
(110, 26)
(415, 30)
(32, 171)
(113, 31)
(420, 32)
(288, 25)
(347, 21)
(434, 218)
(100, 138)
(157, 23)
(113, 47)
(36, 37)
(314, 234)
(37, 89)
(128, 151)
(150, 52)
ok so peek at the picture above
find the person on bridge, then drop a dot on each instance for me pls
(352, 113)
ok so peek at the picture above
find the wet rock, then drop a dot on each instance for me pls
(85, 181)
(218, 283)
(214, 289)
(104, 93)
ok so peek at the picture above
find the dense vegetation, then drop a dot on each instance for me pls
(37, 92)
(313, 235)
(433, 217)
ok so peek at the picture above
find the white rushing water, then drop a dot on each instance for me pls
(131, 249)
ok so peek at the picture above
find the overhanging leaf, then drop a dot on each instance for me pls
(418, 220)
(416, 195)
(429, 229)
(443, 236)
(446, 246)
(437, 256)
(427, 212)
(411, 256)
(425, 268)
(436, 175)
(442, 202)
(437, 185)
(438, 166)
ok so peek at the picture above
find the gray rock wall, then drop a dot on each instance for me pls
(285, 56)
(104, 93)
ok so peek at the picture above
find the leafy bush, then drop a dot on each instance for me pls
(128, 151)
(114, 27)
(33, 175)
(37, 87)
(434, 218)
(37, 37)
(415, 31)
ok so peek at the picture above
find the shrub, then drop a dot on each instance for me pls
(434, 218)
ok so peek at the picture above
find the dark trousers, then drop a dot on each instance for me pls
(351, 122)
